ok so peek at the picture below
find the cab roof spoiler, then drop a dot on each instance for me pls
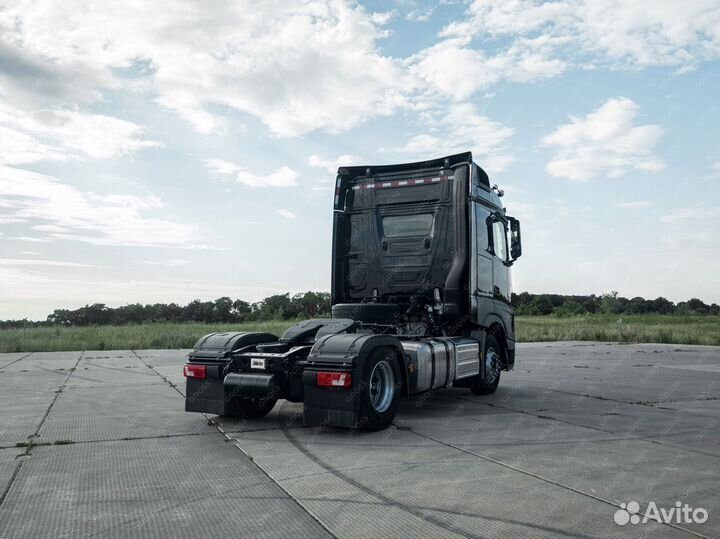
(364, 171)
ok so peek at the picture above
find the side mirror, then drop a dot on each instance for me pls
(515, 242)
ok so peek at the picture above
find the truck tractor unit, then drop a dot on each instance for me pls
(420, 299)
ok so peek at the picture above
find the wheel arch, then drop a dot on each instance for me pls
(494, 325)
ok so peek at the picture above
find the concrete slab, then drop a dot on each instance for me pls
(196, 487)
(8, 359)
(576, 430)
(21, 411)
(97, 375)
(158, 358)
(8, 464)
(397, 484)
(115, 413)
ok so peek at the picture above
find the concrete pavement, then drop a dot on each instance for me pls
(574, 432)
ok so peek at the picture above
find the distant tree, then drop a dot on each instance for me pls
(609, 302)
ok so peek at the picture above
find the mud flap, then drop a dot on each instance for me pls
(335, 406)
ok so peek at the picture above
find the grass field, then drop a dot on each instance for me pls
(631, 328)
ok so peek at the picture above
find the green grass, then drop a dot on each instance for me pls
(675, 329)
(141, 337)
(634, 328)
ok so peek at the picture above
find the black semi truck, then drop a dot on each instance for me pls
(420, 301)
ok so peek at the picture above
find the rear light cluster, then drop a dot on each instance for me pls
(194, 371)
(334, 379)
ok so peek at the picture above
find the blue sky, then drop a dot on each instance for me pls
(162, 151)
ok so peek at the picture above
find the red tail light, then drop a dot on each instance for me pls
(334, 379)
(194, 371)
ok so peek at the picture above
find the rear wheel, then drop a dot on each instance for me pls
(382, 386)
(254, 408)
(487, 382)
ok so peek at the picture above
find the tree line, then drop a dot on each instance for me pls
(317, 305)
(609, 303)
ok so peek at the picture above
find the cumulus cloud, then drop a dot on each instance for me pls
(331, 165)
(243, 55)
(616, 32)
(58, 135)
(605, 142)
(282, 177)
(287, 214)
(526, 60)
(62, 211)
(461, 128)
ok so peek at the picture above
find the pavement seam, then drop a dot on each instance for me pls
(624, 436)
(388, 501)
(16, 360)
(55, 398)
(228, 439)
(541, 478)
(7, 488)
(29, 447)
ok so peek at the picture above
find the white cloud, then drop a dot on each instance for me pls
(691, 214)
(36, 262)
(282, 177)
(171, 263)
(622, 33)
(287, 214)
(30, 253)
(221, 167)
(64, 212)
(58, 135)
(296, 66)
(331, 165)
(605, 142)
(637, 204)
(460, 128)
(526, 60)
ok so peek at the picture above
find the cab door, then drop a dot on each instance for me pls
(481, 262)
(500, 259)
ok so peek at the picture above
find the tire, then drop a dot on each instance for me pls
(487, 383)
(371, 313)
(382, 387)
(254, 408)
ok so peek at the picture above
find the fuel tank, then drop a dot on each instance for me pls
(438, 362)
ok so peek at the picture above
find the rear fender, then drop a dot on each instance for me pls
(343, 353)
(214, 350)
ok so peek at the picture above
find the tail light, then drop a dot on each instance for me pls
(334, 379)
(194, 371)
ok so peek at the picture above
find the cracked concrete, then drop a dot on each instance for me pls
(576, 430)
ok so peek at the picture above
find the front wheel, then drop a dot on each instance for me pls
(487, 382)
(254, 408)
(382, 385)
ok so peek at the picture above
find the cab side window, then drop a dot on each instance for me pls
(499, 238)
(481, 217)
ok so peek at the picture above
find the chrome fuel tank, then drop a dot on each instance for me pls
(438, 362)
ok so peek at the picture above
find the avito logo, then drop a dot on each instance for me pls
(679, 514)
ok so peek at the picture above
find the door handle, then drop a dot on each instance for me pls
(427, 243)
(384, 245)
(496, 290)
